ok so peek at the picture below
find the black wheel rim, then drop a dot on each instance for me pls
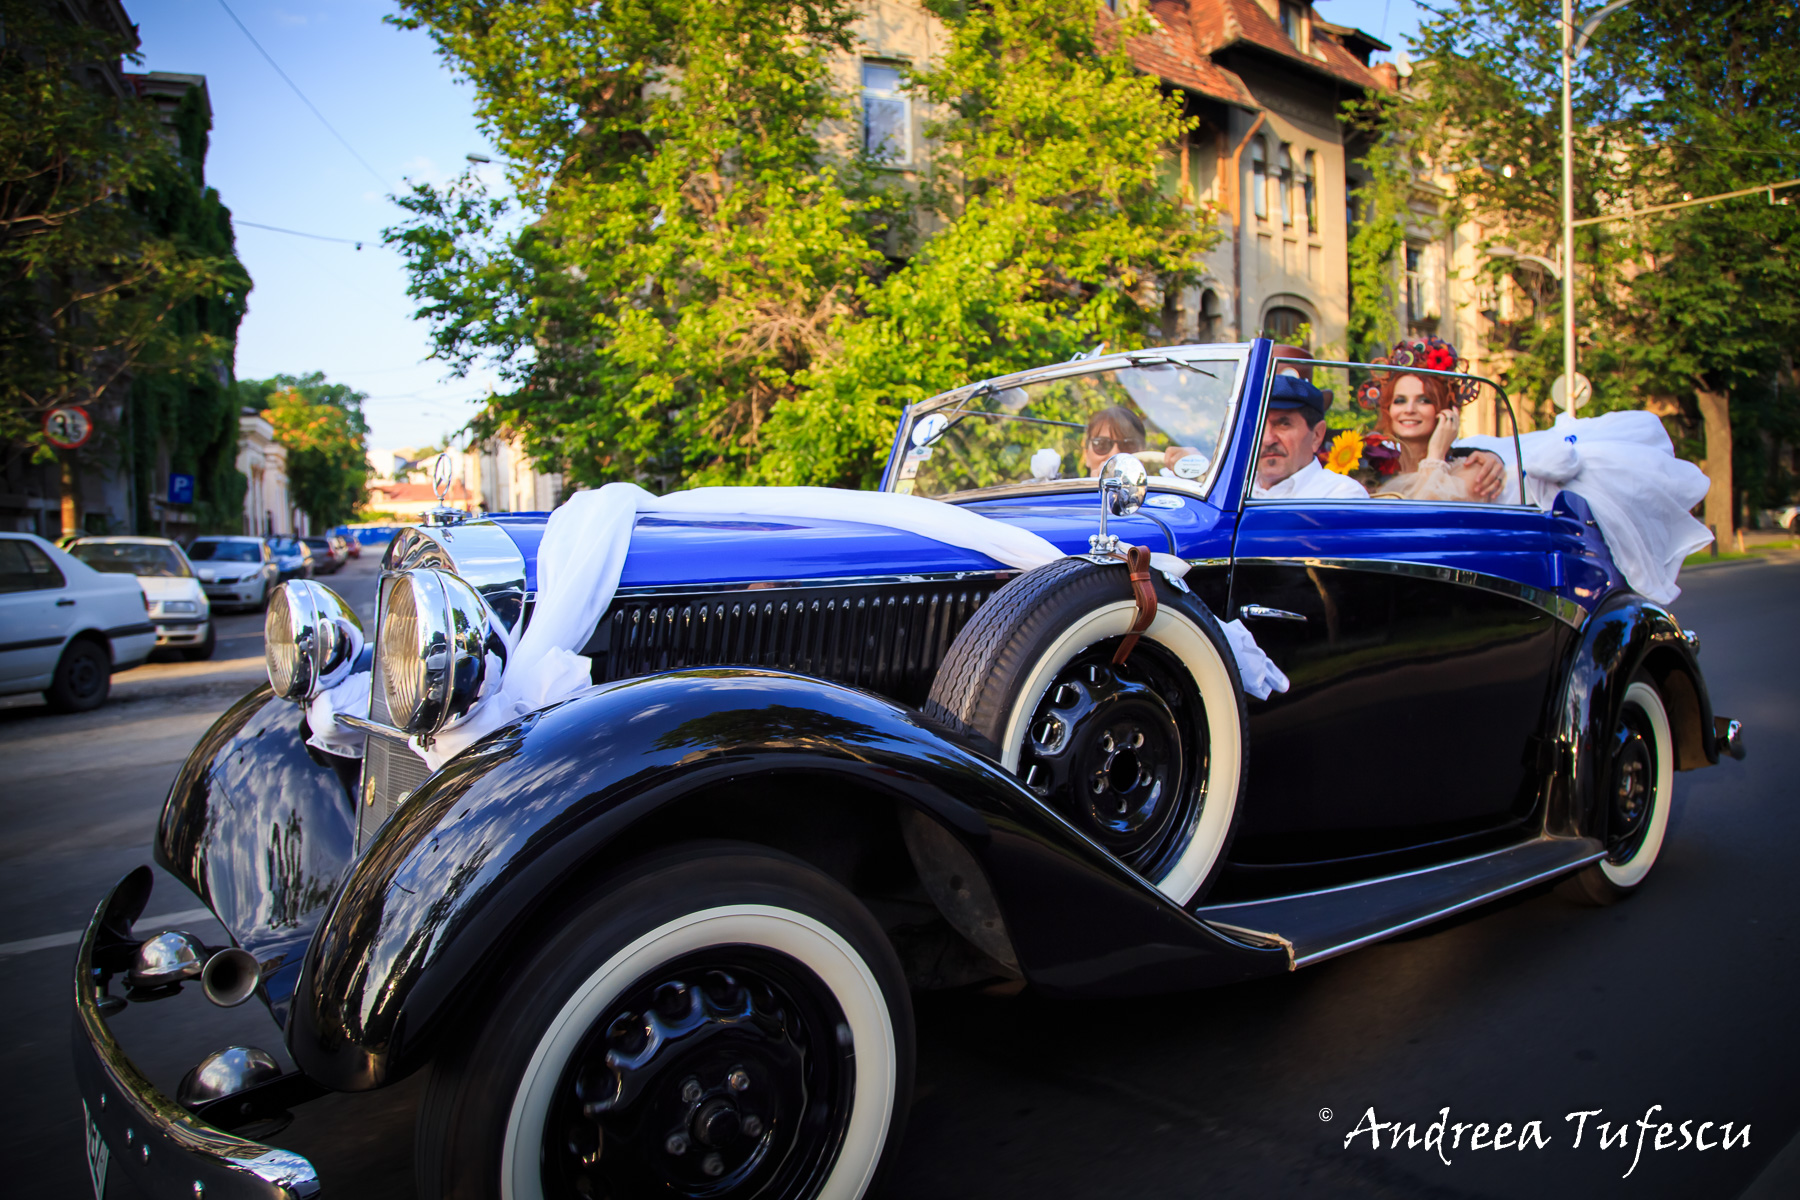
(726, 1073)
(86, 675)
(1631, 787)
(1121, 752)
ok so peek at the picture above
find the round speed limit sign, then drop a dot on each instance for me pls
(68, 427)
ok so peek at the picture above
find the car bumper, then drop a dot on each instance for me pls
(234, 593)
(180, 631)
(134, 1130)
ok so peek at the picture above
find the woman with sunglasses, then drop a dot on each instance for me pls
(1115, 430)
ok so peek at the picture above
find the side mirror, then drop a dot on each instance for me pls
(1123, 483)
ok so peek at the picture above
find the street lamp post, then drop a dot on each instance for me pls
(1573, 43)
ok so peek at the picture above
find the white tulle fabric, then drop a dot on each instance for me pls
(1624, 466)
(583, 551)
(343, 691)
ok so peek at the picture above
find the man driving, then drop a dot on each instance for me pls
(1287, 466)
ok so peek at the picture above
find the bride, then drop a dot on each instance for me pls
(1422, 415)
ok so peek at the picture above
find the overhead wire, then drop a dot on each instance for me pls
(309, 104)
(317, 237)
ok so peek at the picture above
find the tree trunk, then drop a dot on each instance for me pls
(71, 500)
(1715, 421)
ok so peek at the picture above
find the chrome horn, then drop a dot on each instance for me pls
(1123, 483)
(310, 634)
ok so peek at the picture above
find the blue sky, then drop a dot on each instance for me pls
(325, 306)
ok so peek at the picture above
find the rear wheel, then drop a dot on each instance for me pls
(1639, 784)
(83, 678)
(723, 1023)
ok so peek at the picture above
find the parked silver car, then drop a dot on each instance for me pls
(235, 570)
(65, 627)
(178, 604)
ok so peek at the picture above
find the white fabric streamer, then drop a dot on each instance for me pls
(342, 691)
(1624, 466)
(582, 557)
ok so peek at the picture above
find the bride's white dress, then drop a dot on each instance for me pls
(1624, 466)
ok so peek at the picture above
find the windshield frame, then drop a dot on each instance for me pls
(1505, 402)
(1236, 353)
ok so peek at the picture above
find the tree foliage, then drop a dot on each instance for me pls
(1379, 234)
(321, 426)
(703, 280)
(94, 280)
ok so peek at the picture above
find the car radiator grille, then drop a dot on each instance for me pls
(886, 637)
(391, 770)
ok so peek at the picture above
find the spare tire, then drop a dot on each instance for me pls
(1147, 758)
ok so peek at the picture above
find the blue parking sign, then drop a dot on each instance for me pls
(181, 489)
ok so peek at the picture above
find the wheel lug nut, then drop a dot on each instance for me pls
(712, 1164)
(677, 1144)
(691, 1092)
(752, 1127)
(738, 1079)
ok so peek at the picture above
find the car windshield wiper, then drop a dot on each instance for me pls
(1163, 360)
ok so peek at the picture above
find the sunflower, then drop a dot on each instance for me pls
(1345, 454)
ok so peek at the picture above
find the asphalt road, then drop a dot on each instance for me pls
(1525, 1010)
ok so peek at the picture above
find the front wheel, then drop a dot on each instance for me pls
(1639, 784)
(726, 1022)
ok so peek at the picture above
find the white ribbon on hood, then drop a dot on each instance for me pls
(582, 556)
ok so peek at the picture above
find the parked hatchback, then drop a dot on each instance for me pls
(327, 558)
(293, 557)
(65, 627)
(235, 570)
(177, 603)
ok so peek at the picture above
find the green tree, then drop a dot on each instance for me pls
(1377, 125)
(321, 426)
(706, 282)
(91, 284)
(1054, 231)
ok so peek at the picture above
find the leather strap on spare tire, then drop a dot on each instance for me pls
(1143, 590)
(1125, 716)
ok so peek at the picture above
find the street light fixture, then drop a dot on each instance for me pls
(1573, 43)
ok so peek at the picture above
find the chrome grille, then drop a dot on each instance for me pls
(889, 638)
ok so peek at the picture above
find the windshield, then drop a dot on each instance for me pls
(1169, 413)
(131, 558)
(224, 552)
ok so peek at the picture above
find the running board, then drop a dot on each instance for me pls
(1318, 925)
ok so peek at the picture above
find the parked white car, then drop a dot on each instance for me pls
(178, 604)
(235, 570)
(65, 627)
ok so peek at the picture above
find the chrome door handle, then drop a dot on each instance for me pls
(1265, 613)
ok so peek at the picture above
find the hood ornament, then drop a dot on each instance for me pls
(443, 476)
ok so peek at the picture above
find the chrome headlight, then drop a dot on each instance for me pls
(441, 650)
(309, 636)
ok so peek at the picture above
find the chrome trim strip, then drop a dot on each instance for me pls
(1564, 610)
(694, 589)
(1264, 612)
(368, 726)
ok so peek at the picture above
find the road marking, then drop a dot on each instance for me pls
(52, 940)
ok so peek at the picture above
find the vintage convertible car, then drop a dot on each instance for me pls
(657, 938)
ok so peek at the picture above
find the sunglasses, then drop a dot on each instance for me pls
(1104, 445)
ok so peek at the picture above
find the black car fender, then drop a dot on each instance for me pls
(1627, 636)
(465, 875)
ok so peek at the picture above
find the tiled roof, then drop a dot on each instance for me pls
(1192, 31)
(415, 492)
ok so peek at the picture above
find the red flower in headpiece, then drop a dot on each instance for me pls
(1440, 358)
(1381, 453)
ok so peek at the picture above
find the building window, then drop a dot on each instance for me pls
(1292, 25)
(1288, 325)
(1285, 181)
(887, 114)
(1417, 309)
(1211, 316)
(1311, 185)
(1259, 178)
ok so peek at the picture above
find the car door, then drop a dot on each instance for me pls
(35, 614)
(1419, 640)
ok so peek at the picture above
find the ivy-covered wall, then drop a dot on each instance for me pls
(186, 422)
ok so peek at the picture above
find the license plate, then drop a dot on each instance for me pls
(98, 1156)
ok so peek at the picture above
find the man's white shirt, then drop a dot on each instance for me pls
(1312, 482)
